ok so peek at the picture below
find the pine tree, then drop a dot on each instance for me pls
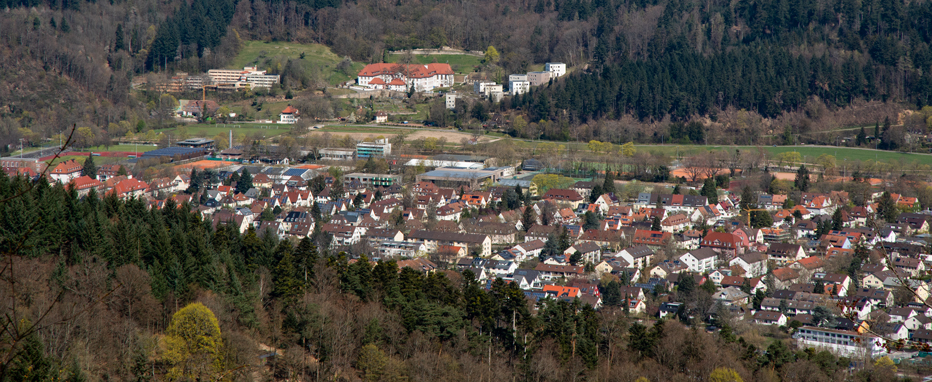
(655, 224)
(608, 186)
(244, 183)
(802, 179)
(709, 191)
(886, 208)
(118, 41)
(861, 137)
(64, 25)
(90, 169)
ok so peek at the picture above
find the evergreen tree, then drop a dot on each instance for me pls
(63, 25)
(709, 190)
(608, 186)
(118, 41)
(861, 137)
(89, 169)
(837, 222)
(802, 179)
(590, 221)
(676, 190)
(655, 224)
(528, 218)
(244, 183)
(886, 208)
(195, 183)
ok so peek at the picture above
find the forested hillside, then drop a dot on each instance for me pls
(91, 288)
(72, 62)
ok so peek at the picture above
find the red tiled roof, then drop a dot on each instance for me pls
(290, 110)
(411, 70)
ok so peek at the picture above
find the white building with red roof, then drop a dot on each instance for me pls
(289, 115)
(421, 77)
(65, 171)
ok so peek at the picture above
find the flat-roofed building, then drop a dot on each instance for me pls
(372, 180)
(337, 154)
(378, 149)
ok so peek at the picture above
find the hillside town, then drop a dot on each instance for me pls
(849, 279)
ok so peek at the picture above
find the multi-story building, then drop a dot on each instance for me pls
(842, 343)
(237, 79)
(538, 78)
(518, 84)
(372, 180)
(556, 69)
(378, 149)
(421, 77)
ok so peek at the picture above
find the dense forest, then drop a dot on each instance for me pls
(91, 285)
(639, 62)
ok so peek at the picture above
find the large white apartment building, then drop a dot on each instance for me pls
(421, 77)
(250, 75)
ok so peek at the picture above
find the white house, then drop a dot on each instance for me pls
(518, 84)
(421, 77)
(701, 260)
(556, 69)
(753, 263)
(289, 115)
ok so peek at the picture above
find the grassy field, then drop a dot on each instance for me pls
(460, 63)
(808, 153)
(316, 57)
(210, 131)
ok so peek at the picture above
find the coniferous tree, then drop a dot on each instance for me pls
(655, 224)
(886, 208)
(802, 179)
(89, 168)
(244, 183)
(608, 186)
(709, 190)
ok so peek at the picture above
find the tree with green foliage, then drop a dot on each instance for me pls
(709, 190)
(244, 183)
(193, 344)
(724, 374)
(655, 224)
(802, 179)
(590, 221)
(608, 186)
(886, 208)
(528, 217)
(89, 168)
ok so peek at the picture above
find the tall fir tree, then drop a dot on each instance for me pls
(89, 169)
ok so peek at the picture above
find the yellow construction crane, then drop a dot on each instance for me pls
(748, 212)
(204, 91)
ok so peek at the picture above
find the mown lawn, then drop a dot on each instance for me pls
(316, 57)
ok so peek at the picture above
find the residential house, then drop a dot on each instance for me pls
(638, 256)
(784, 277)
(480, 245)
(551, 271)
(842, 343)
(654, 239)
(591, 252)
(764, 317)
(730, 245)
(674, 223)
(561, 196)
(783, 253)
(701, 260)
(754, 264)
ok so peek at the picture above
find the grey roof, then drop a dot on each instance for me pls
(459, 173)
(703, 253)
